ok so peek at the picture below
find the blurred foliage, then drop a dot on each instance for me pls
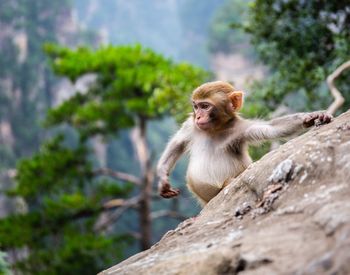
(63, 203)
(302, 42)
(132, 82)
(64, 196)
(258, 151)
(224, 33)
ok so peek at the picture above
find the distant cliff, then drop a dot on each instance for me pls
(177, 29)
(288, 213)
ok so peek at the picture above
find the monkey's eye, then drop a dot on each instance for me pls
(195, 106)
(205, 106)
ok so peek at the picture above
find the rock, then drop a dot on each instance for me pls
(288, 213)
(283, 172)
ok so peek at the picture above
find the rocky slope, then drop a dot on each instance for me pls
(288, 213)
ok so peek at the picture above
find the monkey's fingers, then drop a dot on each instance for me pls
(309, 120)
(326, 118)
(317, 119)
(323, 118)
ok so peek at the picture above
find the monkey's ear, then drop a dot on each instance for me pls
(236, 98)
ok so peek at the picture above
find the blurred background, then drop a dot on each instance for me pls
(91, 91)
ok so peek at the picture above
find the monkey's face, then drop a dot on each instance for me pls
(204, 114)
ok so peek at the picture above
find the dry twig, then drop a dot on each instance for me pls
(338, 97)
(113, 217)
(117, 175)
(168, 213)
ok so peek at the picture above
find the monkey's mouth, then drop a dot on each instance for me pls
(203, 125)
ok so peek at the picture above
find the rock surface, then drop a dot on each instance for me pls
(288, 213)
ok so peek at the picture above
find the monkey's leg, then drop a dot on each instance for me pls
(201, 201)
(202, 191)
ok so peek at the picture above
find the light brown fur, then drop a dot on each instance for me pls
(218, 149)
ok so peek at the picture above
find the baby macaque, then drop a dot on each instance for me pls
(217, 140)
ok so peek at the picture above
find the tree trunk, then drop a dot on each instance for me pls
(138, 136)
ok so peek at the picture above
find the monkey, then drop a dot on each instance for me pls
(216, 138)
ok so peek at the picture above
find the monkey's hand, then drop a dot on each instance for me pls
(165, 189)
(317, 119)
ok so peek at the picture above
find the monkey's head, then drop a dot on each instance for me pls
(215, 104)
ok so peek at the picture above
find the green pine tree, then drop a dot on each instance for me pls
(63, 230)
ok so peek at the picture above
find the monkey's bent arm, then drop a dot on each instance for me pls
(280, 127)
(174, 149)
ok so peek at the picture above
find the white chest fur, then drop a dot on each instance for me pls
(212, 163)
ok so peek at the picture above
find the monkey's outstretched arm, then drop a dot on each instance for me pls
(173, 151)
(284, 126)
